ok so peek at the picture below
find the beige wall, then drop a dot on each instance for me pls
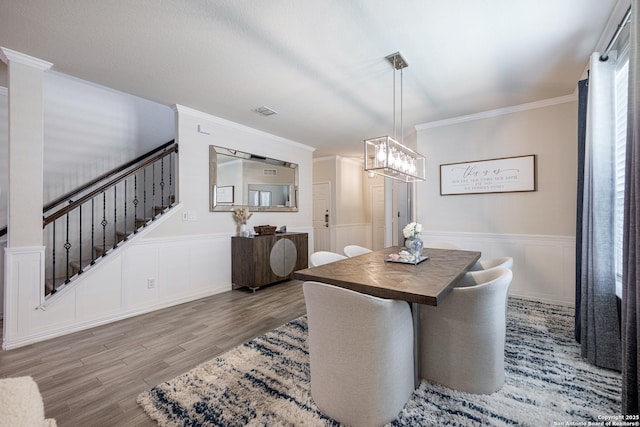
(548, 132)
(349, 194)
(350, 199)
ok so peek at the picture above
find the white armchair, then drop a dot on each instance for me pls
(355, 250)
(485, 264)
(361, 354)
(462, 339)
(324, 257)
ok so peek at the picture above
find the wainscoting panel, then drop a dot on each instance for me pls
(3, 245)
(101, 295)
(140, 266)
(543, 268)
(352, 234)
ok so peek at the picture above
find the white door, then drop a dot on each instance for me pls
(377, 217)
(321, 217)
(401, 209)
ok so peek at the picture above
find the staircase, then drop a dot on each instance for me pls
(87, 224)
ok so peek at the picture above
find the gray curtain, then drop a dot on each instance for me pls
(600, 333)
(631, 242)
(583, 92)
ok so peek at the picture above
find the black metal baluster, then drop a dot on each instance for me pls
(53, 258)
(80, 242)
(67, 246)
(93, 223)
(104, 223)
(115, 216)
(125, 211)
(153, 187)
(144, 199)
(171, 190)
(135, 202)
(162, 184)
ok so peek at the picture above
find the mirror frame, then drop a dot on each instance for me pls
(214, 206)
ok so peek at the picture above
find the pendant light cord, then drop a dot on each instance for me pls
(401, 127)
(394, 97)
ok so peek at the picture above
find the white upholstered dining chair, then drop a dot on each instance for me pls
(324, 257)
(462, 338)
(355, 250)
(485, 264)
(361, 354)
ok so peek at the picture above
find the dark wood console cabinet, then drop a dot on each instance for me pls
(261, 260)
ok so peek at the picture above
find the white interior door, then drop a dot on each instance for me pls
(377, 217)
(401, 209)
(321, 217)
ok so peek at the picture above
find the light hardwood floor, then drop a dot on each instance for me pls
(92, 378)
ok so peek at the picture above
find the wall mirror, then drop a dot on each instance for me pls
(240, 179)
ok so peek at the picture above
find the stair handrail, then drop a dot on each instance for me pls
(74, 203)
(69, 196)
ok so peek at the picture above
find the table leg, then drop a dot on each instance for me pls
(415, 314)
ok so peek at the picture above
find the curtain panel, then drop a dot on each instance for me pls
(583, 92)
(631, 235)
(600, 333)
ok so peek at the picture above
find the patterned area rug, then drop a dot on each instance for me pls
(265, 382)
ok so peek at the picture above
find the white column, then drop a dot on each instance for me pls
(26, 142)
(24, 255)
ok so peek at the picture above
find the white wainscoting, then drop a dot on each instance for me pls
(3, 245)
(145, 275)
(351, 234)
(544, 266)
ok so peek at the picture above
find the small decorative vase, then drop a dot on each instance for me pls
(414, 247)
(243, 230)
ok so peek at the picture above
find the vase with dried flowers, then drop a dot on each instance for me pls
(241, 216)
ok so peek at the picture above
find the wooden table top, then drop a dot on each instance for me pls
(426, 283)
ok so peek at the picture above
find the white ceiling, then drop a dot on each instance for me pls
(319, 64)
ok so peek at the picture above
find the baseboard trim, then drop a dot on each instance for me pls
(11, 344)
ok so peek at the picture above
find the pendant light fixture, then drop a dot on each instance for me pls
(386, 156)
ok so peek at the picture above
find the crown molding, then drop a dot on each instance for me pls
(335, 157)
(499, 112)
(7, 55)
(181, 109)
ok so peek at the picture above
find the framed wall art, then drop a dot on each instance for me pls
(225, 194)
(503, 175)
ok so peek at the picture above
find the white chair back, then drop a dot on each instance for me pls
(486, 264)
(355, 250)
(324, 257)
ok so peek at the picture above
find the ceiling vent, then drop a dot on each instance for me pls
(265, 111)
(269, 172)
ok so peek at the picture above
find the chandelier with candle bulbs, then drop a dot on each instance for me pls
(387, 156)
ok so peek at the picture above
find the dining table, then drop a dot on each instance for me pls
(385, 274)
